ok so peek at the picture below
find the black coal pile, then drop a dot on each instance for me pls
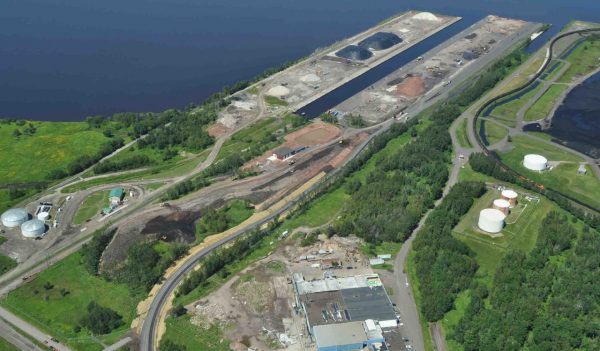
(353, 52)
(380, 41)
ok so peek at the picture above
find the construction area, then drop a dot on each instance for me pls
(445, 65)
(328, 69)
(305, 298)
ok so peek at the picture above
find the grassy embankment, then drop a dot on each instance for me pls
(6, 263)
(583, 60)
(542, 107)
(493, 132)
(228, 216)
(275, 101)
(59, 310)
(461, 134)
(91, 206)
(563, 177)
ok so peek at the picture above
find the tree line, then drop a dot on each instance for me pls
(545, 300)
(131, 162)
(444, 265)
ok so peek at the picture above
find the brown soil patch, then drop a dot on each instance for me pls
(411, 87)
(216, 130)
(314, 134)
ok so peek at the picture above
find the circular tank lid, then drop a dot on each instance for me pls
(511, 194)
(493, 213)
(536, 158)
(33, 225)
(15, 214)
(501, 203)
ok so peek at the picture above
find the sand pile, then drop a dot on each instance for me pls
(411, 87)
(426, 16)
(278, 91)
(310, 78)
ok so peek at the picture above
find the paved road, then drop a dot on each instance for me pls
(118, 344)
(30, 330)
(21, 342)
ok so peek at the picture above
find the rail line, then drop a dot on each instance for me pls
(489, 103)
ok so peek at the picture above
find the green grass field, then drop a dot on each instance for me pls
(257, 134)
(181, 331)
(54, 145)
(6, 264)
(58, 315)
(236, 211)
(583, 60)
(563, 178)
(542, 107)
(91, 206)
(493, 132)
(508, 111)
(6, 346)
(461, 134)
(275, 101)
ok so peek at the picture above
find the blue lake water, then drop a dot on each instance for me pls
(67, 59)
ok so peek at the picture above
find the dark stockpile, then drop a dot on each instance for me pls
(353, 52)
(380, 41)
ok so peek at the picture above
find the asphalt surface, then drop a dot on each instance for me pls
(9, 317)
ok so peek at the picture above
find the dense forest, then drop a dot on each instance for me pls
(444, 265)
(546, 300)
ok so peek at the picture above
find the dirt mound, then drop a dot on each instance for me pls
(411, 87)
(176, 227)
(216, 130)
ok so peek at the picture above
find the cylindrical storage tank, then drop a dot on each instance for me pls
(502, 205)
(14, 217)
(491, 220)
(33, 228)
(510, 196)
(43, 216)
(535, 162)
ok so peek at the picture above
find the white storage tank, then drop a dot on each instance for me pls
(491, 220)
(14, 217)
(510, 196)
(43, 216)
(535, 162)
(502, 205)
(33, 228)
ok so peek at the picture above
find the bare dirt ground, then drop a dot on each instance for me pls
(411, 87)
(217, 130)
(317, 133)
(257, 304)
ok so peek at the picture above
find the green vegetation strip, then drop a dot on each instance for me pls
(91, 206)
(462, 135)
(542, 107)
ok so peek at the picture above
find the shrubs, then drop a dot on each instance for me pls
(101, 320)
(131, 162)
(92, 251)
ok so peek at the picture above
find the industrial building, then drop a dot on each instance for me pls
(491, 220)
(535, 162)
(348, 336)
(345, 313)
(33, 228)
(285, 152)
(14, 217)
(116, 196)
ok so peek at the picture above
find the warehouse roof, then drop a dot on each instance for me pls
(340, 334)
(315, 286)
(368, 303)
(284, 150)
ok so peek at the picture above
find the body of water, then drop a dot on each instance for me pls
(576, 122)
(67, 59)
